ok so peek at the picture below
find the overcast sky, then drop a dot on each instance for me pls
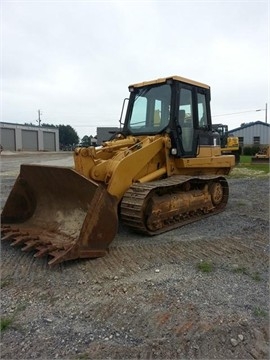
(74, 60)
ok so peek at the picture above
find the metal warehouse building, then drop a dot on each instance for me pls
(105, 133)
(16, 137)
(254, 133)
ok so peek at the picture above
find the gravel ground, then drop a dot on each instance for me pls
(149, 298)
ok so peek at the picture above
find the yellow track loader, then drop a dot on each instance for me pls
(163, 170)
(262, 156)
(229, 143)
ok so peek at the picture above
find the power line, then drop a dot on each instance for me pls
(247, 111)
(235, 113)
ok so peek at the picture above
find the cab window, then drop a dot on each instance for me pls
(185, 119)
(202, 111)
(151, 110)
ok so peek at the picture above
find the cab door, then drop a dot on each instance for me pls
(186, 122)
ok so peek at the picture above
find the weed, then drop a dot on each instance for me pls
(260, 312)
(6, 322)
(256, 276)
(243, 270)
(83, 356)
(205, 266)
(5, 282)
(241, 203)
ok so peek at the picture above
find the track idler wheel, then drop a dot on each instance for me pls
(217, 193)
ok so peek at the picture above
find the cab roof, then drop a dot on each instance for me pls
(174, 77)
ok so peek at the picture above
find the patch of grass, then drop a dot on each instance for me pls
(260, 312)
(246, 162)
(6, 322)
(259, 167)
(251, 171)
(244, 159)
(205, 266)
(241, 270)
(256, 276)
(5, 282)
(241, 203)
(83, 356)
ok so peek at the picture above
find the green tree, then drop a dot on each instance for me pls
(48, 125)
(86, 141)
(68, 137)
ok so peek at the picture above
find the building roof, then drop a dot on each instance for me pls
(249, 125)
(46, 127)
(174, 77)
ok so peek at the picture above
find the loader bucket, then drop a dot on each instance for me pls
(60, 213)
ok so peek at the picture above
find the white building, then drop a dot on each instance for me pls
(17, 137)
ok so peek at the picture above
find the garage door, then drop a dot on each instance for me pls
(8, 139)
(49, 141)
(29, 140)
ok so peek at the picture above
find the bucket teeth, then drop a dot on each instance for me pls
(45, 250)
(42, 244)
(3, 227)
(57, 257)
(10, 234)
(30, 245)
(7, 228)
(21, 240)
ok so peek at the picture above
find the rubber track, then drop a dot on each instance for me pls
(133, 202)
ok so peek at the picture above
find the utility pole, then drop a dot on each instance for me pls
(265, 110)
(39, 119)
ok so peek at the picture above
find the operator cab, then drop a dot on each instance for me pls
(223, 133)
(176, 106)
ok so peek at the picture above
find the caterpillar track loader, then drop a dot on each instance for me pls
(229, 143)
(262, 156)
(163, 170)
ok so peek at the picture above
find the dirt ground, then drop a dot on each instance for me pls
(149, 297)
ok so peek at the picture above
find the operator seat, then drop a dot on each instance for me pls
(181, 117)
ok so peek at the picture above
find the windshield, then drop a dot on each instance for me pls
(151, 110)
